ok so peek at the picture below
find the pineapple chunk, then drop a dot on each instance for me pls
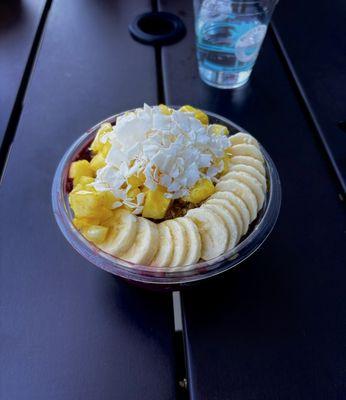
(217, 129)
(80, 168)
(81, 223)
(155, 204)
(165, 110)
(197, 113)
(85, 188)
(83, 180)
(226, 163)
(107, 198)
(96, 145)
(201, 191)
(136, 180)
(95, 233)
(97, 162)
(77, 188)
(133, 193)
(105, 149)
(87, 204)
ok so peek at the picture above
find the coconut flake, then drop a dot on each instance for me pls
(117, 204)
(174, 151)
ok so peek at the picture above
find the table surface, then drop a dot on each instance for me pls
(20, 25)
(274, 327)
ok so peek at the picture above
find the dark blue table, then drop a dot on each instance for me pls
(21, 24)
(68, 330)
(313, 45)
(274, 327)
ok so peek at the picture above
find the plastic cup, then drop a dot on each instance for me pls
(229, 35)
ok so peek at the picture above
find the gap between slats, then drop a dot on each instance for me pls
(180, 353)
(18, 105)
(304, 99)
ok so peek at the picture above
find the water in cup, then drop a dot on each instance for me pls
(229, 37)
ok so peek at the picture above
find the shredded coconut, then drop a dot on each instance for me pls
(174, 151)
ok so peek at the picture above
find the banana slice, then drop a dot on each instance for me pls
(179, 243)
(228, 219)
(247, 160)
(145, 245)
(252, 171)
(242, 191)
(192, 239)
(247, 150)
(237, 203)
(122, 232)
(164, 253)
(213, 231)
(227, 205)
(250, 181)
(242, 137)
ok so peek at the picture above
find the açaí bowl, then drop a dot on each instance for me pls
(154, 277)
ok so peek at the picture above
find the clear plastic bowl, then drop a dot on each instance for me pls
(154, 277)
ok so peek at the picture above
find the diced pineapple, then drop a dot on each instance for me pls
(217, 129)
(81, 187)
(95, 233)
(80, 168)
(86, 180)
(165, 110)
(83, 180)
(81, 223)
(201, 191)
(86, 204)
(136, 180)
(107, 199)
(96, 145)
(105, 149)
(133, 193)
(127, 208)
(155, 204)
(198, 113)
(77, 188)
(226, 164)
(97, 162)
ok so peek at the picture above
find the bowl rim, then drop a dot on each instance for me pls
(266, 220)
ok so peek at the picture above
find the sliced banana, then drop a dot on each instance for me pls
(121, 234)
(164, 253)
(252, 171)
(250, 181)
(238, 203)
(179, 243)
(242, 137)
(242, 191)
(244, 149)
(192, 240)
(247, 160)
(228, 220)
(213, 231)
(145, 245)
(229, 207)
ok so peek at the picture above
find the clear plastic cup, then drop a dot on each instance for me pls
(229, 35)
(154, 277)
